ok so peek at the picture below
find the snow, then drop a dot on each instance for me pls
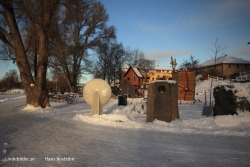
(138, 73)
(243, 89)
(133, 116)
(168, 81)
(227, 59)
(13, 94)
(129, 119)
(16, 91)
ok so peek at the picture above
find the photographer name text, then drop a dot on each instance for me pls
(59, 159)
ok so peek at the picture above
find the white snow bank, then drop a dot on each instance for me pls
(12, 98)
(31, 108)
(191, 121)
(16, 91)
(12, 95)
(227, 121)
(241, 91)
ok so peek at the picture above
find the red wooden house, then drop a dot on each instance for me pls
(134, 77)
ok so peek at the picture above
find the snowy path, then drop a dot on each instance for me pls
(45, 137)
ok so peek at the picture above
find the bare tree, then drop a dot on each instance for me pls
(39, 13)
(84, 25)
(137, 58)
(110, 58)
(10, 79)
(190, 64)
(218, 50)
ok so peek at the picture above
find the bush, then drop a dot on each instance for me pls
(225, 100)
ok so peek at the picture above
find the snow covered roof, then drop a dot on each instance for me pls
(126, 67)
(162, 68)
(168, 81)
(227, 59)
(137, 72)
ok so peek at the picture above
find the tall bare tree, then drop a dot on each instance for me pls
(110, 58)
(83, 26)
(218, 50)
(138, 58)
(190, 64)
(40, 14)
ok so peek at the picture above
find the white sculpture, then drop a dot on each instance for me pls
(97, 93)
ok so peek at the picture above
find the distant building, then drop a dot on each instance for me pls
(133, 76)
(225, 65)
(159, 73)
(155, 73)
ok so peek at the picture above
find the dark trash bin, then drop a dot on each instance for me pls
(122, 100)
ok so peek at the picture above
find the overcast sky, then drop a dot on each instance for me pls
(179, 28)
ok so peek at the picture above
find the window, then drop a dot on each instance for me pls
(128, 78)
(134, 78)
(245, 65)
(237, 65)
(228, 65)
(153, 79)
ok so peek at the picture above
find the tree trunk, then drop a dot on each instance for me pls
(37, 97)
(36, 92)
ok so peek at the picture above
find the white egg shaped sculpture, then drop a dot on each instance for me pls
(97, 93)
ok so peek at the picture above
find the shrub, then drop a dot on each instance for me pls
(225, 100)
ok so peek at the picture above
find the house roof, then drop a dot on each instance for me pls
(126, 67)
(227, 59)
(136, 71)
(162, 68)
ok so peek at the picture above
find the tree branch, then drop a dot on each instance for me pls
(3, 31)
(6, 42)
(2, 13)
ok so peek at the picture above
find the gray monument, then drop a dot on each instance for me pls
(162, 102)
(97, 93)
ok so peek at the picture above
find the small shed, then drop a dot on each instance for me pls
(186, 84)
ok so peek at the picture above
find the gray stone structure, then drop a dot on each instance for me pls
(162, 102)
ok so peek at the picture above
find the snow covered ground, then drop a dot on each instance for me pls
(12, 95)
(133, 116)
(132, 119)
